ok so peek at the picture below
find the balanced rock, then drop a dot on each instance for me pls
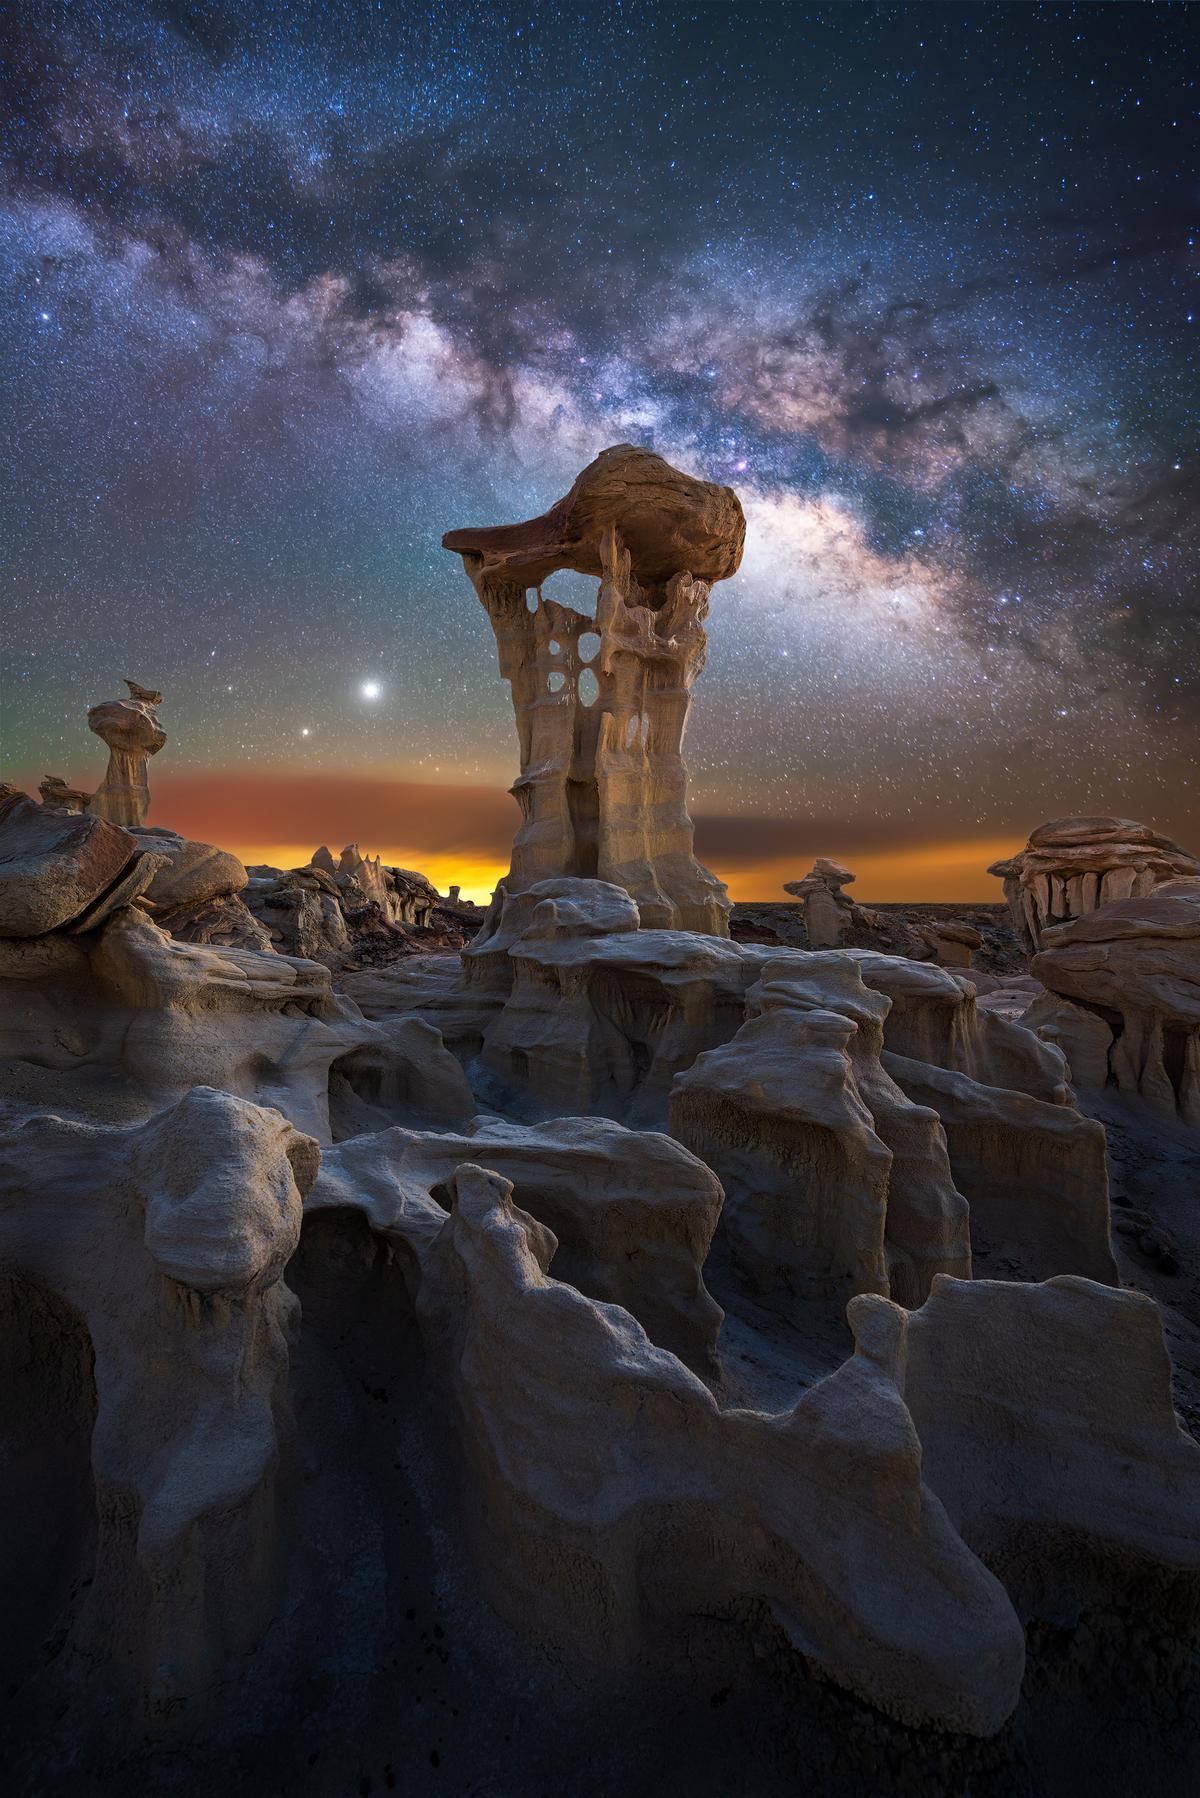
(666, 520)
(601, 702)
(133, 733)
(828, 911)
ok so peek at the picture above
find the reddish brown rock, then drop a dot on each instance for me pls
(131, 729)
(1072, 866)
(54, 864)
(63, 798)
(602, 787)
(668, 521)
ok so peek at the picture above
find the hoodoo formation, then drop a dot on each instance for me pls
(602, 702)
(754, 1313)
(131, 729)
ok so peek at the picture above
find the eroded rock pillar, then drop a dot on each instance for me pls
(600, 725)
(133, 733)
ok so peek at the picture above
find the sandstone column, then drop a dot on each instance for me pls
(131, 729)
(602, 786)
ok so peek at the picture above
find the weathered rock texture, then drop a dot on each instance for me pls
(1127, 982)
(56, 793)
(633, 1213)
(133, 733)
(602, 787)
(599, 1016)
(1032, 1168)
(1071, 866)
(527, 1309)
(1071, 1382)
(54, 865)
(127, 1019)
(336, 912)
(197, 893)
(165, 1244)
(835, 1182)
(828, 911)
(610, 1497)
(570, 1008)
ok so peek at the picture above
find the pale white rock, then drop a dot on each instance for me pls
(166, 1241)
(223, 1181)
(1139, 959)
(604, 1023)
(835, 1181)
(936, 1017)
(1048, 1433)
(1084, 1037)
(597, 1470)
(1034, 1174)
(142, 1018)
(633, 1212)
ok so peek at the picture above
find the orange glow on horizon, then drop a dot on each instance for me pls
(950, 873)
(947, 873)
(476, 878)
(460, 835)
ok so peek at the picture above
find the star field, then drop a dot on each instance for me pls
(291, 289)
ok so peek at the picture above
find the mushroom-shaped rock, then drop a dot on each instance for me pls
(131, 729)
(828, 912)
(602, 702)
(668, 522)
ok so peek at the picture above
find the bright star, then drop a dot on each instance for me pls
(370, 689)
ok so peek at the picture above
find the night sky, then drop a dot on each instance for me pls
(291, 290)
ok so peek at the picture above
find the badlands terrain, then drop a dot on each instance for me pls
(614, 1342)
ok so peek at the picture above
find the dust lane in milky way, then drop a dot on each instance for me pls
(292, 290)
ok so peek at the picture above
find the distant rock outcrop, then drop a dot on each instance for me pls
(1071, 866)
(338, 912)
(60, 797)
(1126, 986)
(828, 911)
